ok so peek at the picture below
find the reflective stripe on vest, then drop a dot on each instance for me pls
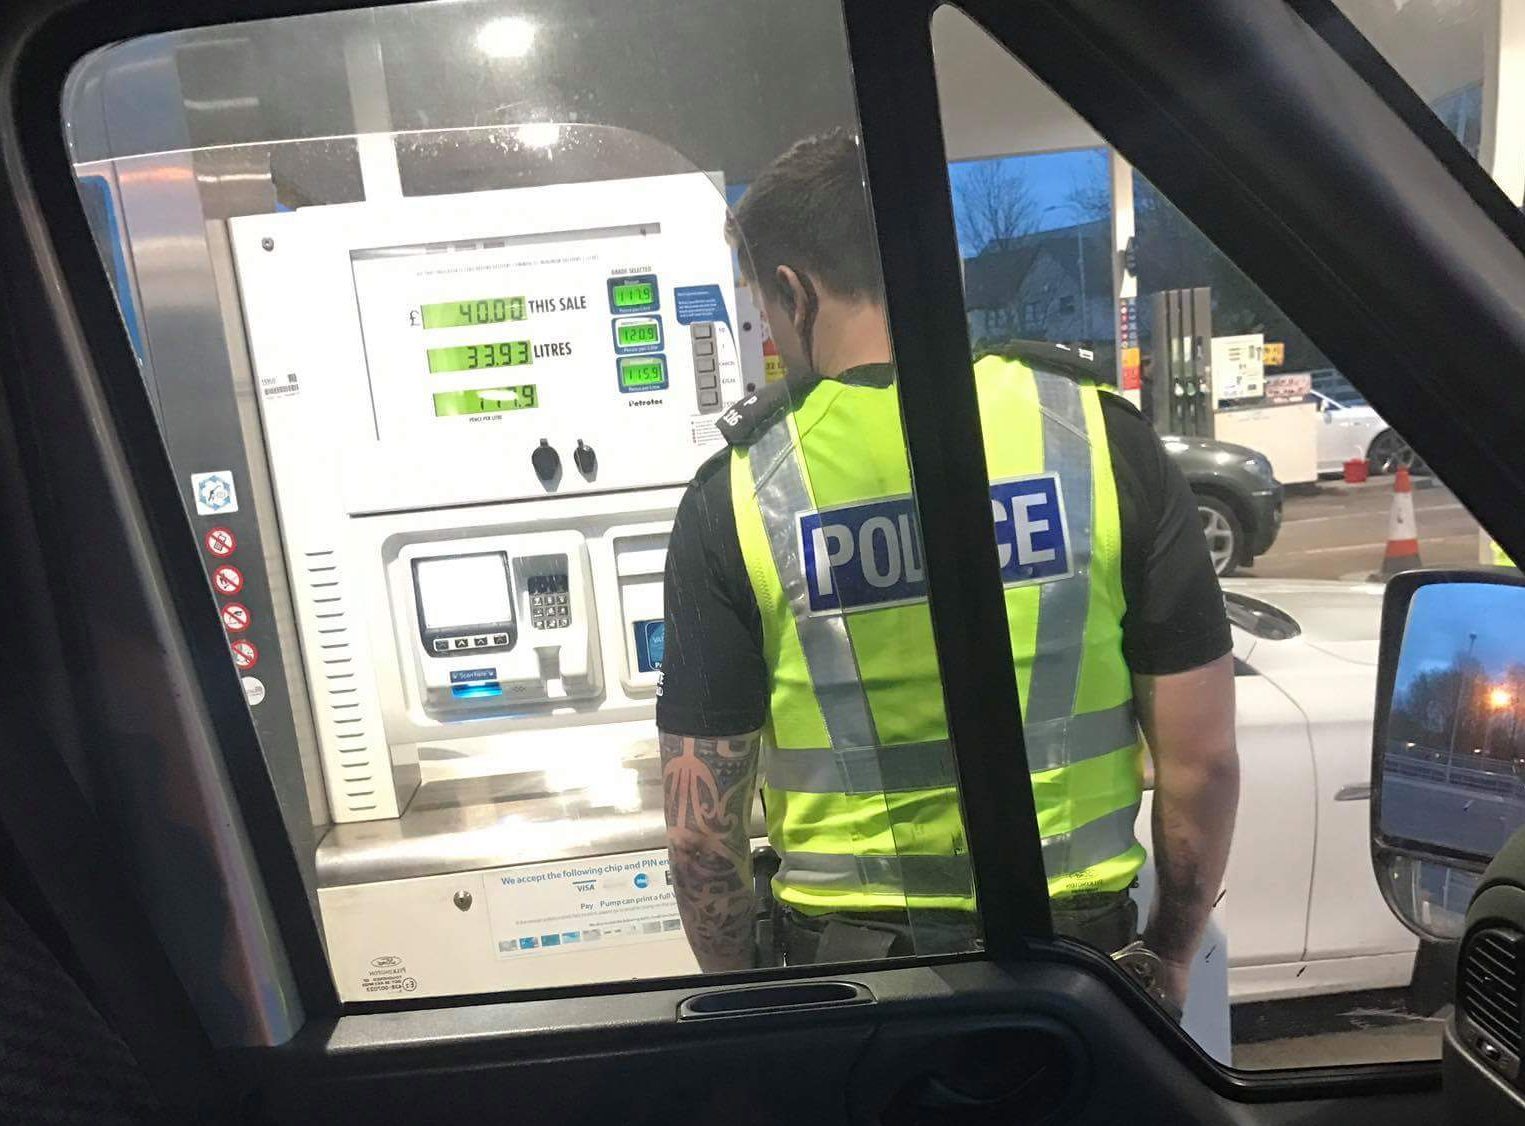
(860, 785)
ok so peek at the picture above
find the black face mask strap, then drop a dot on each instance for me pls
(807, 318)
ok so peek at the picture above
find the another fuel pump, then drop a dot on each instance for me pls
(1182, 362)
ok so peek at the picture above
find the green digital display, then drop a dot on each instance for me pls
(639, 333)
(633, 295)
(639, 372)
(482, 311)
(470, 357)
(487, 400)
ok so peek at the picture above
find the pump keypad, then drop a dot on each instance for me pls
(550, 601)
(706, 370)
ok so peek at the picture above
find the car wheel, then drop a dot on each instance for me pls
(1389, 451)
(1223, 532)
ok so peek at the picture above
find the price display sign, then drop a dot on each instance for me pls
(643, 373)
(633, 294)
(486, 400)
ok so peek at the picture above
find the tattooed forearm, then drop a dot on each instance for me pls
(1188, 721)
(708, 786)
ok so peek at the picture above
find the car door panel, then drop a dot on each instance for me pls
(628, 1056)
(1271, 861)
(1347, 917)
(961, 1042)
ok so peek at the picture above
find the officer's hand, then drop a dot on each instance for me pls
(1173, 982)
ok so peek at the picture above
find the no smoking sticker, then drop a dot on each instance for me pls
(245, 654)
(235, 617)
(228, 579)
(221, 542)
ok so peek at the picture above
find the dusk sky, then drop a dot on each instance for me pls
(1441, 617)
(1051, 177)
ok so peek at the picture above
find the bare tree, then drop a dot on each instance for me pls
(994, 203)
(1090, 194)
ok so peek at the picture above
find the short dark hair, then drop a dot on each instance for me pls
(809, 210)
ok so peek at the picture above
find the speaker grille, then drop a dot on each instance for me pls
(1489, 986)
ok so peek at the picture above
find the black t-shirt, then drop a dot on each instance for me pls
(714, 678)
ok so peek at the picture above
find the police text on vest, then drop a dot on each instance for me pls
(869, 554)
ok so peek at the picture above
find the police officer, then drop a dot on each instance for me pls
(798, 638)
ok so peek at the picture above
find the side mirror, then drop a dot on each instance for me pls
(1448, 755)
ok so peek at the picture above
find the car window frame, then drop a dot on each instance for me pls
(58, 246)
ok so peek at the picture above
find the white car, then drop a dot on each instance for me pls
(1304, 914)
(1349, 428)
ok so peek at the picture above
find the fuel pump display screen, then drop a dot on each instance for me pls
(470, 357)
(632, 295)
(637, 333)
(464, 590)
(486, 400)
(481, 311)
(642, 373)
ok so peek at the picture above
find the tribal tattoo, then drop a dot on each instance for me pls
(708, 786)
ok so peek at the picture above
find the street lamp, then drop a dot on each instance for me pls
(1500, 697)
(1461, 680)
(1080, 267)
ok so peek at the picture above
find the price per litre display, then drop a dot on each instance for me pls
(638, 334)
(642, 373)
(486, 400)
(636, 293)
(481, 311)
(470, 357)
(633, 294)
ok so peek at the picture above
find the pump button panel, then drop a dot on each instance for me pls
(706, 367)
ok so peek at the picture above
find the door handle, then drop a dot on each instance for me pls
(1355, 791)
(773, 998)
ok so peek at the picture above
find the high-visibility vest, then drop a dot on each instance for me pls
(858, 775)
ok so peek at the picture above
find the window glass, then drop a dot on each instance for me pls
(1293, 480)
(442, 308)
(1035, 225)
(1449, 51)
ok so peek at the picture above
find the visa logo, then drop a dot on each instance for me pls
(870, 554)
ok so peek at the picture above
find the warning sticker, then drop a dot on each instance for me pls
(254, 690)
(245, 654)
(215, 492)
(235, 617)
(220, 541)
(228, 579)
(541, 909)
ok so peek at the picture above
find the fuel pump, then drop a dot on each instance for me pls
(1182, 375)
(464, 423)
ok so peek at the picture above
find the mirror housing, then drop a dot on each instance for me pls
(1448, 744)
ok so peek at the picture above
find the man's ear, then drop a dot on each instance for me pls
(792, 291)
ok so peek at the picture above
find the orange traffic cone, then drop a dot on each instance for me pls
(1402, 533)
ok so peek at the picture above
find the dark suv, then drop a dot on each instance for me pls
(1237, 495)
